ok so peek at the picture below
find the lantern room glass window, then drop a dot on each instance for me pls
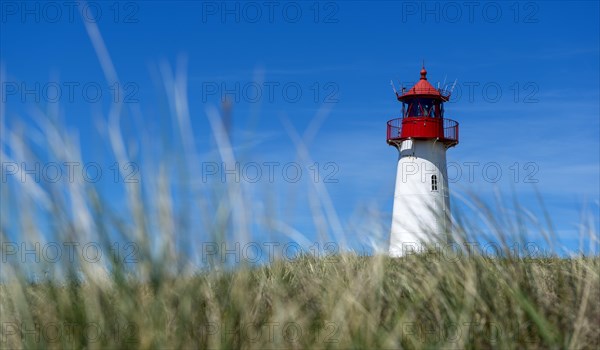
(421, 107)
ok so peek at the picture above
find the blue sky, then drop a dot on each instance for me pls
(527, 92)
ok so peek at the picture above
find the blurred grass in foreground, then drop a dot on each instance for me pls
(346, 301)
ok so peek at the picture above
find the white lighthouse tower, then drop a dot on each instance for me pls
(421, 198)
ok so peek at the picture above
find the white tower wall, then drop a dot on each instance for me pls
(421, 206)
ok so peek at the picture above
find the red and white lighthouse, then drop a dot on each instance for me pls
(421, 198)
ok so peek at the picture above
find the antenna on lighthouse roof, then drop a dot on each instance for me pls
(453, 85)
(393, 87)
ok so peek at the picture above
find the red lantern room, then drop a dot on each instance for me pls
(423, 115)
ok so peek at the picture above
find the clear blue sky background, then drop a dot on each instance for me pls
(527, 90)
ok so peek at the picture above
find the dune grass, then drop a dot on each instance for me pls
(346, 301)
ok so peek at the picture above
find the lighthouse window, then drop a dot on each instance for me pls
(422, 107)
(434, 184)
(428, 109)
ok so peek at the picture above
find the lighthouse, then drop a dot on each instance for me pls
(421, 211)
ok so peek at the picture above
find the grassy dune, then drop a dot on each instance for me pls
(344, 301)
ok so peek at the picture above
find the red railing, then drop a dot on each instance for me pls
(448, 133)
(451, 130)
(394, 128)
